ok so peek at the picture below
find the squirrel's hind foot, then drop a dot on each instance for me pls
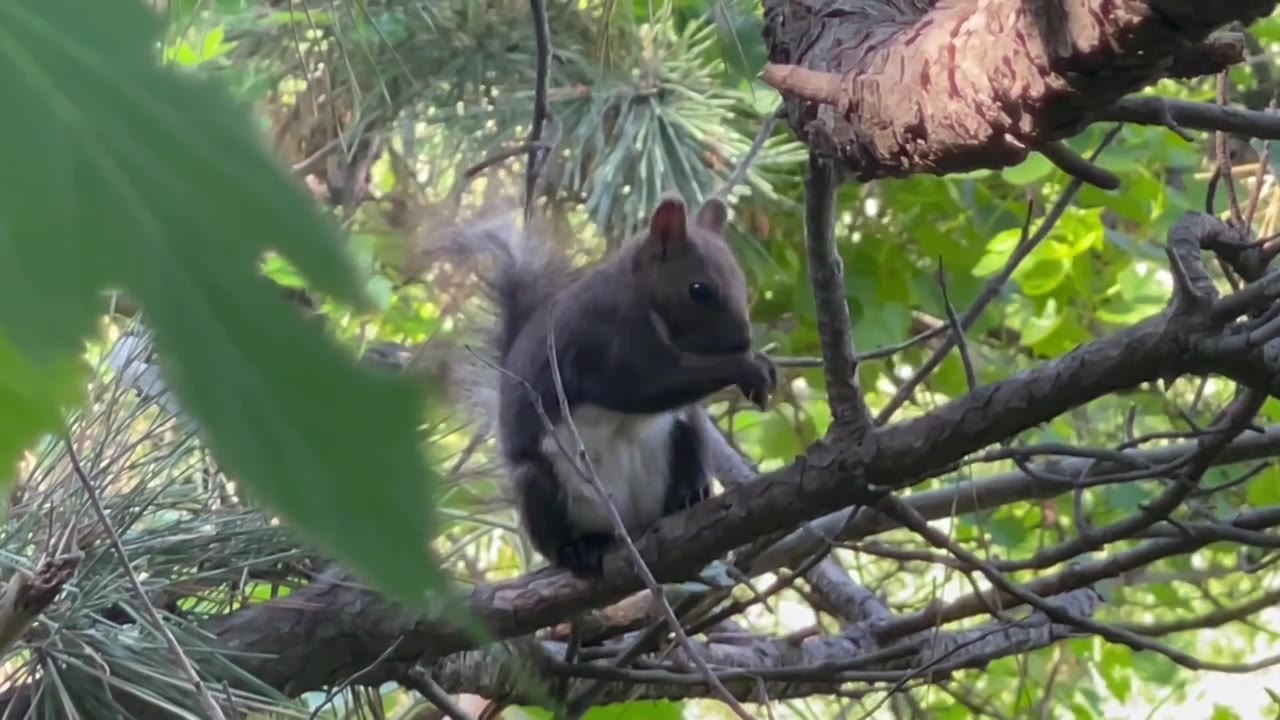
(583, 556)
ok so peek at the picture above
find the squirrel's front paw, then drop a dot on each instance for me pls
(761, 379)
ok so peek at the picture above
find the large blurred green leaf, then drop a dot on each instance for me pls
(32, 398)
(130, 176)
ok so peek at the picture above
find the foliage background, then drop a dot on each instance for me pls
(651, 96)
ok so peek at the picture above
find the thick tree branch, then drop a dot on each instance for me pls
(815, 665)
(988, 494)
(891, 89)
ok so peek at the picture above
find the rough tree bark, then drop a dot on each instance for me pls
(891, 88)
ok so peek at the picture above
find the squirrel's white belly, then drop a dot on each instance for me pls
(631, 456)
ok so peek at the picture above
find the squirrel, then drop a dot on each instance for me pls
(641, 338)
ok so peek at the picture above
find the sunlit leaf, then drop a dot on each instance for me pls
(1042, 275)
(998, 251)
(1222, 712)
(1033, 169)
(1007, 530)
(1264, 489)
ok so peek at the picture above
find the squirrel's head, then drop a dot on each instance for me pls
(696, 289)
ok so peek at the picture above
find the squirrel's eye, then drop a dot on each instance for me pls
(701, 293)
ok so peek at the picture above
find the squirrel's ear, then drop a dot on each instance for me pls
(713, 215)
(668, 226)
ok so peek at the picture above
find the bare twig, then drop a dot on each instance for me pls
(1209, 620)
(542, 35)
(496, 158)
(353, 679)
(919, 525)
(826, 274)
(422, 682)
(744, 165)
(1259, 177)
(957, 331)
(1077, 167)
(1177, 115)
(1224, 158)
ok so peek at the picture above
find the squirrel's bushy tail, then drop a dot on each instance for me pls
(521, 274)
(520, 271)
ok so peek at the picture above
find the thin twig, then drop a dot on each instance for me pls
(542, 37)
(352, 679)
(496, 158)
(1214, 619)
(1077, 167)
(1224, 157)
(1178, 115)
(957, 332)
(422, 682)
(911, 519)
(211, 707)
(744, 165)
(826, 275)
(1259, 182)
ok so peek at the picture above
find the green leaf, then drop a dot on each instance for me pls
(1264, 489)
(32, 400)
(380, 288)
(1126, 497)
(1008, 530)
(1034, 168)
(1222, 712)
(136, 177)
(1041, 275)
(1168, 596)
(1116, 670)
(884, 324)
(1157, 669)
(1036, 329)
(997, 254)
(1121, 311)
(778, 438)
(1082, 712)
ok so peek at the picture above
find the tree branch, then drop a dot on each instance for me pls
(895, 89)
(826, 275)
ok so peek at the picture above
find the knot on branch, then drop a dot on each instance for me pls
(1193, 289)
